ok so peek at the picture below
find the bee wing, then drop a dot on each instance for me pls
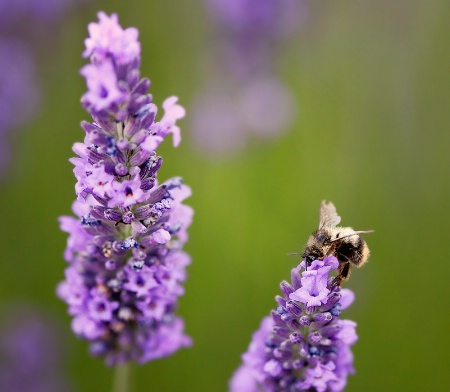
(328, 215)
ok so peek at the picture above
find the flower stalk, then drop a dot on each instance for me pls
(122, 378)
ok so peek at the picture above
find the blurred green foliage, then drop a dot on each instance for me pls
(372, 84)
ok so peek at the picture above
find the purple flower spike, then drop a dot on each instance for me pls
(32, 351)
(126, 265)
(243, 98)
(18, 92)
(304, 345)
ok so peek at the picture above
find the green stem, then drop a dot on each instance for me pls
(121, 378)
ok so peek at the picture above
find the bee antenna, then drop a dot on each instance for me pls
(298, 254)
(355, 233)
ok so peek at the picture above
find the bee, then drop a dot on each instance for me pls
(344, 243)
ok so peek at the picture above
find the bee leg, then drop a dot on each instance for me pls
(336, 282)
(346, 270)
(343, 273)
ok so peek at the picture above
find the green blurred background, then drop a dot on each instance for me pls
(372, 84)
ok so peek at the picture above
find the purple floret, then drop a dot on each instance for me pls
(304, 345)
(103, 91)
(126, 265)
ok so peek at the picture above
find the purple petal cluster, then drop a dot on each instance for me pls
(244, 97)
(18, 92)
(126, 264)
(32, 14)
(27, 31)
(303, 345)
(31, 351)
(250, 30)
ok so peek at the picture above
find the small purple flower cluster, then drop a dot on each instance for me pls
(35, 19)
(251, 29)
(126, 264)
(33, 11)
(243, 80)
(26, 31)
(304, 345)
(18, 92)
(32, 351)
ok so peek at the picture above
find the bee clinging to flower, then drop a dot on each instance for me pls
(332, 240)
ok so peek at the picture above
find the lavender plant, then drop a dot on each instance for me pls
(27, 33)
(304, 345)
(126, 264)
(249, 31)
(18, 93)
(32, 351)
(242, 77)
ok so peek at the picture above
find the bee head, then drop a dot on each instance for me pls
(317, 246)
(311, 254)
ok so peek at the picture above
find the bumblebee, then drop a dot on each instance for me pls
(344, 243)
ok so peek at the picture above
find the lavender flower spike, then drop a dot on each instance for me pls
(304, 345)
(126, 264)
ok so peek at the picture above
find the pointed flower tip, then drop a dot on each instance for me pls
(107, 37)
